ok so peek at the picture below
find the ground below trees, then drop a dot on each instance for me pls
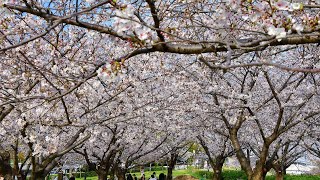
(228, 174)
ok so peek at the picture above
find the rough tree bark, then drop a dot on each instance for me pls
(171, 164)
(120, 173)
(5, 168)
(279, 175)
(102, 174)
(279, 170)
(36, 172)
(217, 168)
(257, 173)
(104, 168)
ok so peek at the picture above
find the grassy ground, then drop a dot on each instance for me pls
(227, 174)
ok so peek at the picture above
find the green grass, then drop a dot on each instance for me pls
(296, 177)
(228, 174)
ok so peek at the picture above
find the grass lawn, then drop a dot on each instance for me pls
(296, 177)
(228, 174)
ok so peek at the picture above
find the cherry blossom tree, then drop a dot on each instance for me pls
(273, 110)
(176, 147)
(128, 117)
(286, 151)
(27, 82)
(217, 147)
(41, 133)
(312, 141)
(24, 88)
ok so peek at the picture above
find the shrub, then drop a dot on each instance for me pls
(203, 174)
(87, 174)
(234, 174)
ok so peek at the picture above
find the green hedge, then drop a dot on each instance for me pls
(234, 174)
(157, 168)
(87, 174)
(202, 174)
(240, 175)
(227, 174)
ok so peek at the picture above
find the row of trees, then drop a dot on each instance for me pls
(124, 83)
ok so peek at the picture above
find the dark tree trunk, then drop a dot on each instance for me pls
(60, 176)
(102, 175)
(264, 175)
(171, 164)
(267, 168)
(103, 171)
(5, 168)
(38, 174)
(257, 175)
(169, 173)
(121, 177)
(217, 173)
(112, 173)
(279, 175)
(217, 167)
(120, 173)
(21, 177)
(279, 171)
